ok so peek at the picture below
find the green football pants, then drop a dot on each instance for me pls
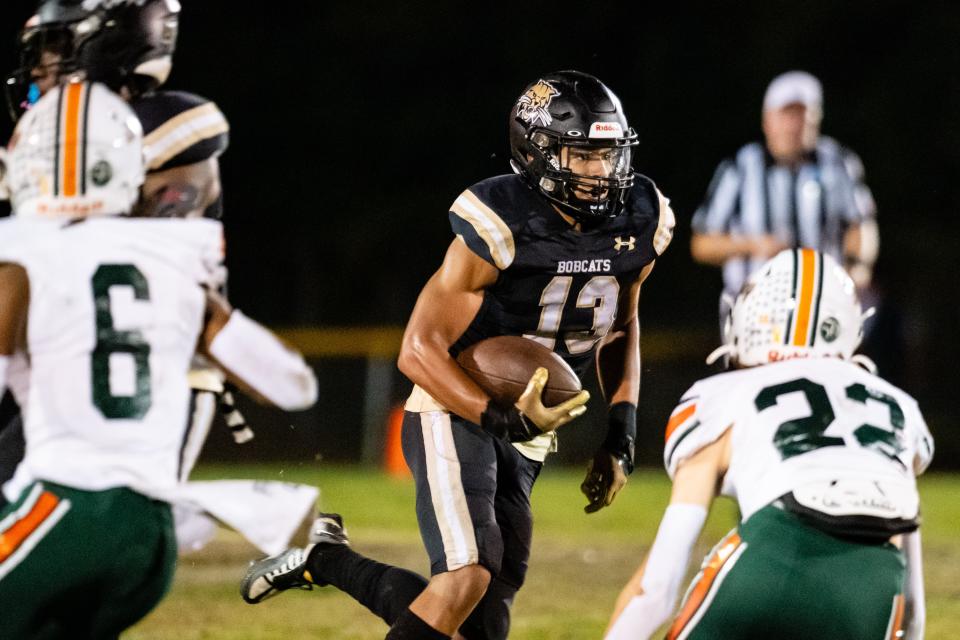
(82, 564)
(775, 577)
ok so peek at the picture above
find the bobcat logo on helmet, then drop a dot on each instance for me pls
(532, 106)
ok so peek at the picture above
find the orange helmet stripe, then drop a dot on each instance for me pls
(71, 138)
(808, 259)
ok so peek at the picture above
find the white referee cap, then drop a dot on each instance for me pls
(794, 87)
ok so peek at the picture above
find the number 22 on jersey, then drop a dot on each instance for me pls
(800, 435)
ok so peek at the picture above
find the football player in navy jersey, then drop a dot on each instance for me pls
(556, 252)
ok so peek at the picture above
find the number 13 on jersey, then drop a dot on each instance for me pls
(600, 293)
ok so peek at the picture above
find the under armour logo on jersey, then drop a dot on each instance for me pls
(619, 243)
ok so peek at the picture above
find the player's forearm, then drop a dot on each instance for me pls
(648, 599)
(860, 247)
(915, 602)
(430, 366)
(618, 364)
(259, 361)
(716, 248)
(629, 591)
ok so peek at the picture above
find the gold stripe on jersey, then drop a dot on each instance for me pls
(488, 225)
(664, 232)
(805, 292)
(182, 131)
(72, 133)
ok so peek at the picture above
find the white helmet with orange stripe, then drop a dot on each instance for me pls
(800, 304)
(77, 153)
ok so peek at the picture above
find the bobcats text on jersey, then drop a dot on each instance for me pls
(583, 266)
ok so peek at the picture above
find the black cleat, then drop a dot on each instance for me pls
(269, 576)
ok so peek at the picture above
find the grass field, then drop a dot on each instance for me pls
(579, 562)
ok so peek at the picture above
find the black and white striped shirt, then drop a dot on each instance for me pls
(811, 205)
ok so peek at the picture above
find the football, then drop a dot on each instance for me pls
(502, 366)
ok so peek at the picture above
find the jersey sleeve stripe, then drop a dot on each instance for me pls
(664, 232)
(188, 128)
(489, 227)
(705, 586)
(668, 458)
(678, 418)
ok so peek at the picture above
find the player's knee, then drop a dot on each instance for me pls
(473, 580)
(466, 585)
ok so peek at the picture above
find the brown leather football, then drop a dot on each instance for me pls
(502, 366)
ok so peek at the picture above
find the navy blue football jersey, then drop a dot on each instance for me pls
(179, 128)
(557, 285)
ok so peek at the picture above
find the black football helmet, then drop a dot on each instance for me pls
(125, 44)
(569, 121)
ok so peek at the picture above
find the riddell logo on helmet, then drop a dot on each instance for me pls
(606, 130)
(71, 208)
(778, 356)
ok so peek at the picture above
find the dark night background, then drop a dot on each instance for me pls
(356, 124)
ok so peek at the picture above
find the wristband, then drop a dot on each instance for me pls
(507, 423)
(622, 433)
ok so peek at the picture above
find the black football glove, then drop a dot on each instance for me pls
(613, 462)
(507, 423)
(528, 417)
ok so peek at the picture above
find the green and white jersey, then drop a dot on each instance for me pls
(843, 440)
(116, 308)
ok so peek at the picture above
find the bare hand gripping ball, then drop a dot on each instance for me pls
(502, 366)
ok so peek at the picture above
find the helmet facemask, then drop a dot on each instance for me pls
(589, 179)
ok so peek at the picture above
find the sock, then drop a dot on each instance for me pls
(490, 619)
(410, 627)
(384, 589)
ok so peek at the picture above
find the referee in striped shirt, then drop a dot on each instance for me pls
(798, 189)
